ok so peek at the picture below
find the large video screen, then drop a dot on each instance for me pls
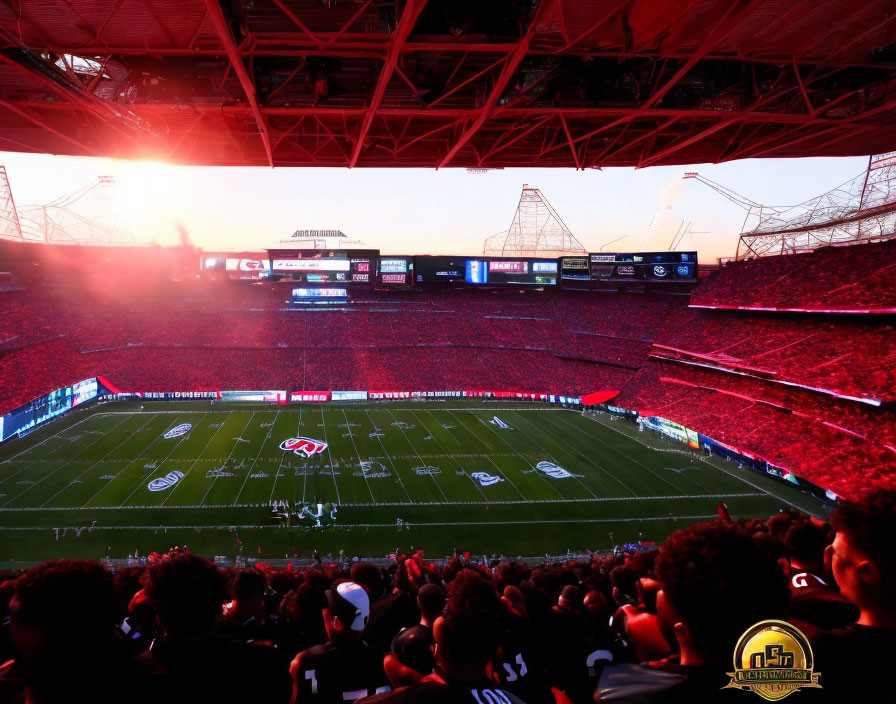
(523, 272)
(395, 271)
(487, 270)
(25, 418)
(319, 296)
(644, 266)
(575, 268)
(324, 266)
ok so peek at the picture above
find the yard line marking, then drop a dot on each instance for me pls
(190, 468)
(719, 467)
(280, 467)
(128, 438)
(38, 482)
(230, 454)
(329, 454)
(450, 456)
(260, 448)
(460, 420)
(630, 459)
(413, 447)
(507, 442)
(605, 499)
(54, 436)
(389, 458)
(588, 459)
(357, 454)
(137, 458)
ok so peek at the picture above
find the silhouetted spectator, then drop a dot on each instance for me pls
(344, 668)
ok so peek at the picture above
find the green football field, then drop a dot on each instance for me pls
(437, 475)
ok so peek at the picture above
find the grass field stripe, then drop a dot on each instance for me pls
(54, 436)
(585, 457)
(449, 455)
(357, 454)
(230, 454)
(124, 468)
(673, 485)
(127, 439)
(525, 461)
(460, 420)
(29, 463)
(493, 502)
(476, 484)
(255, 461)
(719, 466)
(419, 524)
(330, 455)
(64, 464)
(618, 451)
(414, 448)
(488, 456)
(158, 465)
(389, 458)
(193, 464)
(280, 465)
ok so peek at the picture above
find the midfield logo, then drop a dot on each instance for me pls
(303, 446)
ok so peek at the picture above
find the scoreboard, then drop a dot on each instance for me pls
(395, 271)
(324, 265)
(487, 270)
(643, 266)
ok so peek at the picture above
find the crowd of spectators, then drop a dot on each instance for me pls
(839, 445)
(851, 356)
(656, 625)
(196, 335)
(856, 278)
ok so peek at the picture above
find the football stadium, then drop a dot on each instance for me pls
(420, 461)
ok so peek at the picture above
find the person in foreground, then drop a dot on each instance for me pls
(856, 661)
(62, 629)
(345, 668)
(467, 638)
(715, 582)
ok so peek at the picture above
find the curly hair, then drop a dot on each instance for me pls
(473, 619)
(720, 582)
(187, 592)
(870, 525)
(72, 600)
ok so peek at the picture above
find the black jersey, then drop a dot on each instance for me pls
(340, 672)
(434, 690)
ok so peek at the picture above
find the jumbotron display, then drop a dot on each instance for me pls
(644, 266)
(367, 267)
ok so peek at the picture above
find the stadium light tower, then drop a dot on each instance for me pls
(861, 210)
(536, 231)
(10, 227)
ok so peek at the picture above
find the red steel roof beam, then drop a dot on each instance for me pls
(409, 16)
(217, 17)
(735, 13)
(507, 73)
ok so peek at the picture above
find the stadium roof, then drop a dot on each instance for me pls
(436, 83)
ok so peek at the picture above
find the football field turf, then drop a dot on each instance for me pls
(490, 478)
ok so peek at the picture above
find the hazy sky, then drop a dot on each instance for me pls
(419, 211)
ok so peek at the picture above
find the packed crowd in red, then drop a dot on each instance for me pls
(849, 279)
(848, 356)
(198, 335)
(810, 392)
(641, 625)
(839, 445)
